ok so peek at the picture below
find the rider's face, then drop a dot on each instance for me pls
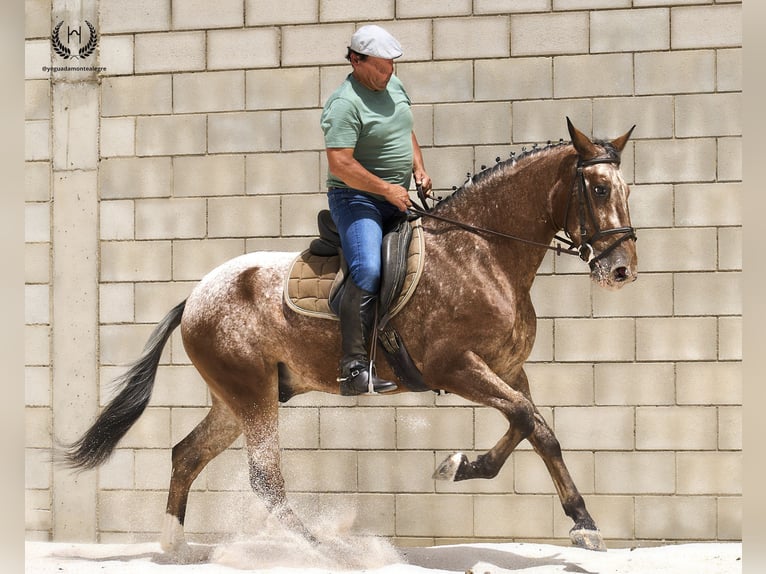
(372, 72)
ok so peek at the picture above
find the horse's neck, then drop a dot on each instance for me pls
(526, 201)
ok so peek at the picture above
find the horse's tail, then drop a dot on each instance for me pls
(98, 442)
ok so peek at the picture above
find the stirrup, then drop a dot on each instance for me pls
(350, 386)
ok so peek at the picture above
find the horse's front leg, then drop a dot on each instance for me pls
(476, 382)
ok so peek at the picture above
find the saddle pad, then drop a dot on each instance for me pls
(310, 279)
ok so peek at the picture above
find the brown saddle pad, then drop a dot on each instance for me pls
(310, 279)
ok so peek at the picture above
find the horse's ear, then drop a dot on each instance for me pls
(585, 148)
(619, 143)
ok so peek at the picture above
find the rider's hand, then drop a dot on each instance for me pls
(398, 196)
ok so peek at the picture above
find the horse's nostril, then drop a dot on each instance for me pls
(621, 274)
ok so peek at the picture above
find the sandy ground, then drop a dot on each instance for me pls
(376, 556)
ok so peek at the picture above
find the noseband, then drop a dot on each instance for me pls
(579, 189)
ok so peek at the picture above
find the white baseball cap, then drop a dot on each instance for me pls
(373, 40)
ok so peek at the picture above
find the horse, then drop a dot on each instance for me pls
(483, 246)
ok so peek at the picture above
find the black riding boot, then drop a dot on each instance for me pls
(357, 315)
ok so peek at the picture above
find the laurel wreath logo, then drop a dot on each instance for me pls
(65, 52)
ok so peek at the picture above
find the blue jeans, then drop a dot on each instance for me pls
(360, 219)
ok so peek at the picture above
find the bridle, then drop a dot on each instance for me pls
(585, 250)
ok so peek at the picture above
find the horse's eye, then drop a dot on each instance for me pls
(601, 190)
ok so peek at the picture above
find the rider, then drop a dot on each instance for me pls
(372, 154)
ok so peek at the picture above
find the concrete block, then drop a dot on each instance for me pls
(502, 516)
(708, 294)
(543, 347)
(152, 430)
(183, 421)
(147, 510)
(429, 428)
(396, 471)
(432, 8)
(135, 261)
(573, 75)
(118, 472)
(301, 131)
(730, 428)
(75, 126)
(559, 385)
(722, 23)
(284, 173)
(208, 175)
(140, 16)
(729, 70)
(635, 473)
(37, 53)
(652, 116)
(37, 181)
(152, 468)
(189, 14)
(228, 472)
(299, 214)
(705, 115)
(730, 339)
(666, 250)
(730, 248)
(171, 218)
(36, 304)
(415, 36)
(117, 54)
(514, 79)
(315, 45)
(117, 137)
(282, 89)
(299, 428)
(116, 303)
(171, 135)
(676, 428)
(266, 12)
(425, 81)
(716, 204)
(561, 296)
(193, 259)
(730, 518)
(634, 384)
(122, 344)
(320, 471)
(630, 30)
(37, 18)
(729, 159)
(37, 515)
(243, 132)
(37, 222)
(544, 120)
(563, 33)
(358, 429)
(368, 10)
(154, 300)
(532, 476)
(589, 4)
(615, 336)
(170, 52)
(37, 140)
(137, 95)
(510, 6)
(37, 386)
(710, 473)
(209, 92)
(37, 470)
(37, 263)
(651, 206)
(676, 161)
(613, 515)
(676, 339)
(472, 123)
(678, 517)
(584, 428)
(675, 72)
(435, 515)
(243, 216)
(38, 427)
(37, 345)
(653, 298)
(117, 220)
(245, 48)
(37, 99)
(475, 37)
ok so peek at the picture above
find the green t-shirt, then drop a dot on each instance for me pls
(377, 125)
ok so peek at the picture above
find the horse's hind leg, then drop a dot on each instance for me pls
(209, 438)
(584, 533)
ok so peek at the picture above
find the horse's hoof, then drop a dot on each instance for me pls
(448, 470)
(588, 539)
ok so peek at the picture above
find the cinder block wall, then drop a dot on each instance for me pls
(199, 141)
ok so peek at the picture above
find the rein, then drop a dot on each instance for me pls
(584, 251)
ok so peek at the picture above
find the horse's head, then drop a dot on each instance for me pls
(598, 219)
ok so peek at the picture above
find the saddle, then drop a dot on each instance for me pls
(315, 282)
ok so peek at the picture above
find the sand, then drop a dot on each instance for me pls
(377, 556)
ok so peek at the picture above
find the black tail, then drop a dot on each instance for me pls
(97, 444)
